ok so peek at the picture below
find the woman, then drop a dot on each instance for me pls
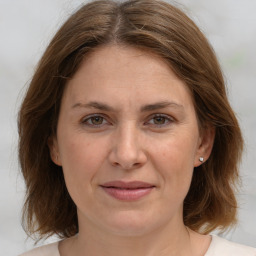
(128, 145)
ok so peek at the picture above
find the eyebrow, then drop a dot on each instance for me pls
(160, 105)
(93, 104)
(145, 108)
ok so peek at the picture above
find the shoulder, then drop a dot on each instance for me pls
(45, 250)
(222, 247)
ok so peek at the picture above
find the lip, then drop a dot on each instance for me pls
(127, 191)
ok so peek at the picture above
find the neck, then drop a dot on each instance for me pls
(172, 239)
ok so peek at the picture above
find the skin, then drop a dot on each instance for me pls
(125, 115)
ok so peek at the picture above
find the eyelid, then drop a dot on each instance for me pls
(86, 118)
(169, 118)
(106, 121)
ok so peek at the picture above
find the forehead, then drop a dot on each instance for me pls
(114, 60)
(128, 73)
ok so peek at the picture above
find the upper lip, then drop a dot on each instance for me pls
(127, 185)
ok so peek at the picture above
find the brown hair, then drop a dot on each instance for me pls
(166, 31)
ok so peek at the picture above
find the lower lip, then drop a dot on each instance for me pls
(127, 194)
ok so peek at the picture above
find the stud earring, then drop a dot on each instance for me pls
(201, 159)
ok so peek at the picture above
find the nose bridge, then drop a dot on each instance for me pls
(127, 151)
(127, 141)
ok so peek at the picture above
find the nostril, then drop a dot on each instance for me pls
(126, 166)
(127, 160)
(116, 164)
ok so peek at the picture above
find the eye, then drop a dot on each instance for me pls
(94, 121)
(160, 120)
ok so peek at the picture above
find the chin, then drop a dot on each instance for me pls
(132, 224)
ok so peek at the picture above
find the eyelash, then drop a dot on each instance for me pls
(167, 120)
(88, 120)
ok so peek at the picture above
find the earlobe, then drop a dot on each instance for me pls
(205, 146)
(54, 152)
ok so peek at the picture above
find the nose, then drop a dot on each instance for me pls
(127, 151)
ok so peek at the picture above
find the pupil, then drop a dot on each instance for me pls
(159, 120)
(97, 120)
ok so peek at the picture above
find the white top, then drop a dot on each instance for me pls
(218, 247)
(222, 247)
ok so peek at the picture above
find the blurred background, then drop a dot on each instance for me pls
(27, 26)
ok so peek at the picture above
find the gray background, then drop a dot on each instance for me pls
(26, 27)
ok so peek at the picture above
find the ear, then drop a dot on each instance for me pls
(54, 150)
(206, 141)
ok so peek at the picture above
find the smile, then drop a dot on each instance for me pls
(127, 191)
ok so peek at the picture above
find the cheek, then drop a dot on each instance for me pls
(175, 151)
(81, 158)
(175, 163)
(79, 148)
(81, 162)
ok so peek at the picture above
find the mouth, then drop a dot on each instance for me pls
(127, 191)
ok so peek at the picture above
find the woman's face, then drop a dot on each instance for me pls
(128, 141)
